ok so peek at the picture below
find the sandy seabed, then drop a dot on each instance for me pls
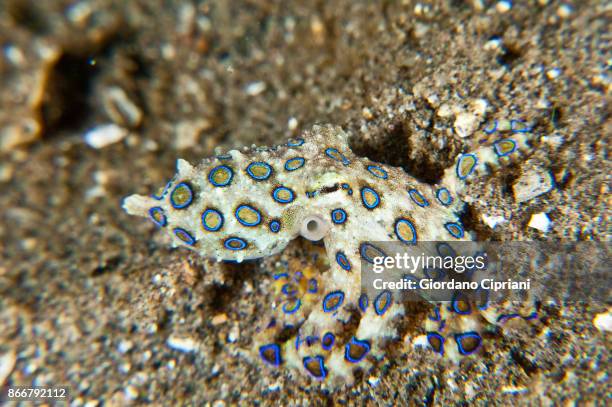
(98, 98)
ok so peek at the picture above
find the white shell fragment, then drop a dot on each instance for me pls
(105, 135)
(492, 220)
(603, 321)
(182, 344)
(532, 183)
(466, 124)
(540, 221)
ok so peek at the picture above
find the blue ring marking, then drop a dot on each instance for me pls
(455, 229)
(459, 338)
(497, 148)
(298, 342)
(212, 173)
(296, 306)
(519, 126)
(224, 157)
(411, 277)
(444, 202)
(280, 275)
(295, 142)
(406, 222)
(288, 289)
(438, 276)
(413, 192)
(363, 302)
(321, 366)
(343, 261)
(186, 236)
(248, 208)
(377, 171)
(365, 349)
(436, 336)
(373, 205)
(459, 296)
(483, 302)
(363, 248)
(437, 315)
(330, 151)
(283, 201)
(276, 356)
(274, 226)
(463, 157)
(327, 342)
(339, 212)
(183, 205)
(216, 212)
(348, 188)
(387, 302)
(266, 166)
(163, 192)
(156, 210)
(230, 240)
(290, 166)
(531, 316)
(337, 296)
(444, 249)
(312, 285)
(491, 130)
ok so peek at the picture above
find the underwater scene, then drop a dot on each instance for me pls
(305, 203)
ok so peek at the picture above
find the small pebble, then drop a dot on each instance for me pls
(255, 88)
(188, 133)
(7, 363)
(131, 392)
(367, 113)
(564, 11)
(466, 124)
(540, 221)
(492, 221)
(503, 6)
(124, 346)
(553, 73)
(233, 334)
(292, 124)
(182, 344)
(120, 109)
(104, 135)
(219, 319)
(602, 321)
